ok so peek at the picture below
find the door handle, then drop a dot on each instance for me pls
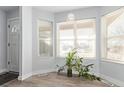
(8, 44)
(8, 62)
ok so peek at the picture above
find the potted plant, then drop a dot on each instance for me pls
(69, 62)
(74, 62)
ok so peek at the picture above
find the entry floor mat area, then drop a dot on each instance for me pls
(7, 76)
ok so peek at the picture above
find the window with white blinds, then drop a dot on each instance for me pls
(45, 38)
(113, 35)
(79, 34)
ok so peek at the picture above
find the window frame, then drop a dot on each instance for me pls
(57, 38)
(38, 39)
(105, 39)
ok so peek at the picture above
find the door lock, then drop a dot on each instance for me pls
(8, 26)
(8, 62)
(9, 44)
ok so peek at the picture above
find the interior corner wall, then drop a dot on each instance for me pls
(26, 23)
(80, 14)
(3, 42)
(111, 71)
(40, 64)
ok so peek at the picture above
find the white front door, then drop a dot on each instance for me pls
(13, 45)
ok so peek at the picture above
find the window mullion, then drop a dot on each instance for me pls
(75, 34)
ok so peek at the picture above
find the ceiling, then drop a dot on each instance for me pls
(55, 9)
(8, 8)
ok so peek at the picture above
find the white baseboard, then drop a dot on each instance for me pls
(35, 73)
(3, 70)
(39, 72)
(23, 77)
(43, 71)
(112, 80)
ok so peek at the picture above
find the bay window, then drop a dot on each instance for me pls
(113, 35)
(79, 34)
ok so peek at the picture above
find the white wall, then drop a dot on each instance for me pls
(113, 72)
(3, 42)
(40, 65)
(26, 22)
(110, 70)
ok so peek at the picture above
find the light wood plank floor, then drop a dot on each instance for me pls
(54, 80)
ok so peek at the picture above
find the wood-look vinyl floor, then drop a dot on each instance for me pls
(54, 80)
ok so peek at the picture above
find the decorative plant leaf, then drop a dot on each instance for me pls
(60, 68)
(76, 63)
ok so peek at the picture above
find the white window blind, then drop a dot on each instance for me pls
(113, 39)
(77, 34)
(45, 38)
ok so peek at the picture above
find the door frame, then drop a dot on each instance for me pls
(8, 20)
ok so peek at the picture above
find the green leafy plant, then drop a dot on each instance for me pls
(78, 65)
(74, 62)
(60, 68)
(69, 62)
(83, 70)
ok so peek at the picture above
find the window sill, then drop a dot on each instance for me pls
(113, 61)
(46, 57)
